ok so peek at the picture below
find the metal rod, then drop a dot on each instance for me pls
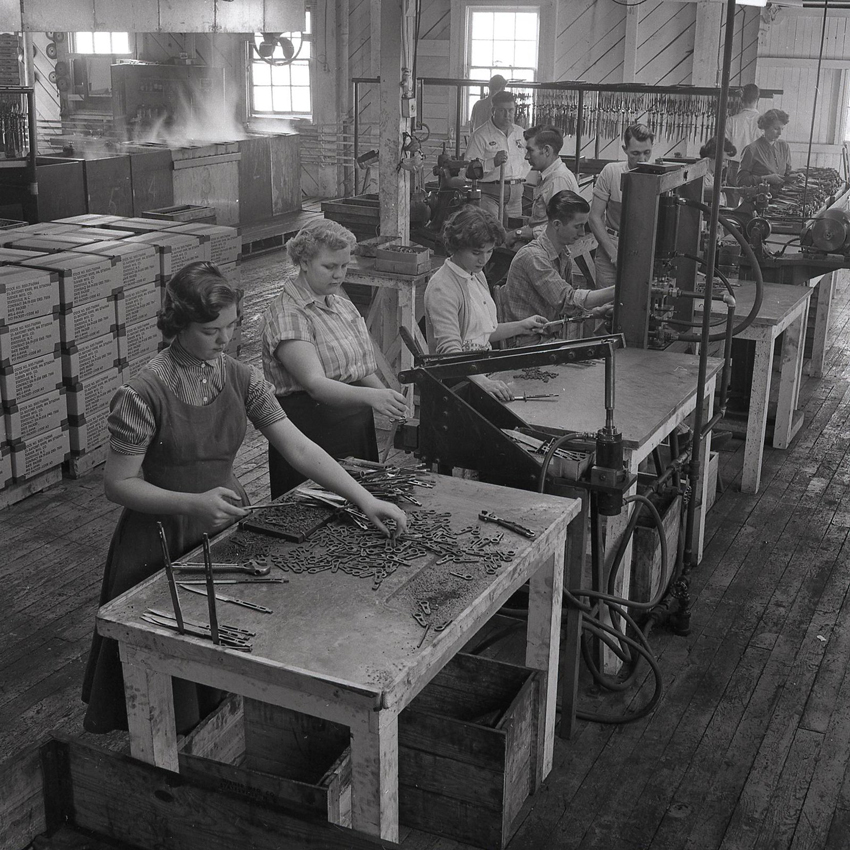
(172, 586)
(689, 555)
(458, 103)
(609, 387)
(208, 574)
(814, 106)
(579, 131)
(356, 108)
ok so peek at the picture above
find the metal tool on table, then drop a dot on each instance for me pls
(219, 581)
(252, 568)
(230, 637)
(226, 598)
(537, 397)
(172, 587)
(489, 516)
(208, 574)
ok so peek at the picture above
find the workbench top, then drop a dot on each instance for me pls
(334, 629)
(650, 388)
(780, 301)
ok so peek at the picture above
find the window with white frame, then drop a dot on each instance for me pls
(115, 43)
(280, 73)
(501, 40)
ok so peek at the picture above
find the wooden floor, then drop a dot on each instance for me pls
(749, 746)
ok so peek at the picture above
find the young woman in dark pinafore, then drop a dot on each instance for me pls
(175, 430)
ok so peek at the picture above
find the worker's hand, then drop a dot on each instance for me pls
(774, 180)
(497, 389)
(501, 158)
(533, 324)
(602, 311)
(218, 507)
(379, 512)
(515, 238)
(388, 403)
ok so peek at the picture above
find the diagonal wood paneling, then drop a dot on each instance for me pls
(589, 42)
(666, 44)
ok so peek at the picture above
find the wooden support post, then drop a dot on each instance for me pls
(630, 43)
(825, 285)
(709, 22)
(374, 774)
(394, 184)
(790, 373)
(327, 113)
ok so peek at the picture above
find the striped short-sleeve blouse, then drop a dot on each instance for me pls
(331, 323)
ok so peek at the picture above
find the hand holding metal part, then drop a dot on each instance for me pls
(489, 516)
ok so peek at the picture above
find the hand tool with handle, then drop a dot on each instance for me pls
(538, 397)
(252, 568)
(232, 599)
(489, 516)
(210, 591)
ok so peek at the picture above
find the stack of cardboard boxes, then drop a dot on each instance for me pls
(78, 317)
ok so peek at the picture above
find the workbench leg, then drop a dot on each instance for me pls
(826, 288)
(571, 653)
(150, 711)
(546, 591)
(374, 774)
(757, 418)
(790, 375)
(705, 458)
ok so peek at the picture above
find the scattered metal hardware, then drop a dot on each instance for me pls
(464, 576)
(169, 572)
(424, 635)
(291, 518)
(232, 599)
(442, 626)
(489, 516)
(420, 618)
(425, 606)
(250, 567)
(536, 374)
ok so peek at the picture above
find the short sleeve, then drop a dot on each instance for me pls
(283, 323)
(602, 189)
(131, 423)
(261, 405)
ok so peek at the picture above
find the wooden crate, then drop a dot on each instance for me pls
(459, 776)
(271, 754)
(646, 552)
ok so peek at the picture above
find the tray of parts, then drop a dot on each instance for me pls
(289, 518)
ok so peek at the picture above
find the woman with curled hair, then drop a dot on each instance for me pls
(768, 158)
(318, 355)
(174, 431)
(460, 314)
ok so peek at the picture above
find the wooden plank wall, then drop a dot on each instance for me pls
(788, 60)
(46, 94)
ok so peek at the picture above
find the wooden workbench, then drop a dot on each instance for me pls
(339, 650)
(784, 311)
(398, 302)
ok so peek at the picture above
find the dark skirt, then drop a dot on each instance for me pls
(340, 431)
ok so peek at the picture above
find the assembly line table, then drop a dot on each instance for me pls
(784, 310)
(339, 650)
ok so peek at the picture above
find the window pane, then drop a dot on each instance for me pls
(503, 24)
(300, 75)
(102, 42)
(121, 42)
(280, 75)
(481, 53)
(482, 25)
(306, 51)
(503, 53)
(281, 100)
(526, 27)
(525, 53)
(262, 98)
(84, 42)
(261, 74)
(308, 23)
(301, 100)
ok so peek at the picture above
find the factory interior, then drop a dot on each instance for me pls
(539, 312)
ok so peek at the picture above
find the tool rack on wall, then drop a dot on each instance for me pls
(18, 146)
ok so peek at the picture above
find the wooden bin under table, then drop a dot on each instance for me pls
(466, 753)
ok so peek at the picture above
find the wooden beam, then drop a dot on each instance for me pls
(706, 55)
(630, 43)
(394, 184)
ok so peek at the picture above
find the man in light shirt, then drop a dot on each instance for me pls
(742, 129)
(607, 202)
(483, 109)
(548, 176)
(500, 142)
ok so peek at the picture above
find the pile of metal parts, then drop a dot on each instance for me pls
(802, 198)
(13, 129)
(606, 114)
(390, 483)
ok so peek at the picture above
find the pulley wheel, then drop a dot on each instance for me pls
(829, 234)
(52, 76)
(61, 68)
(51, 51)
(59, 37)
(757, 228)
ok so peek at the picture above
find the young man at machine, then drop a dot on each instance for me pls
(483, 109)
(548, 176)
(540, 279)
(607, 202)
(499, 142)
(742, 129)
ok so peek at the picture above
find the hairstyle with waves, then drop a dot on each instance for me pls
(771, 117)
(471, 227)
(564, 205)
(197, 293)
(319, 233)
(545, 134)
(638, 132)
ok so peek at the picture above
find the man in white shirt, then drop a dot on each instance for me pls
(548, 176)
(500, 142)
(742, 129)
(483, 109)
(607, 202)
